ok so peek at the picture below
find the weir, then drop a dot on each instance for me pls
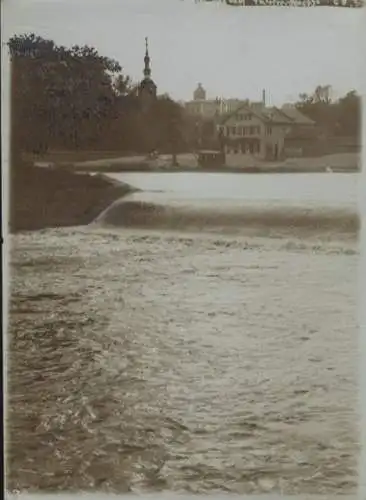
(175, 211)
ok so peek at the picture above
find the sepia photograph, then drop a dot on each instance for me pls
(183, 238)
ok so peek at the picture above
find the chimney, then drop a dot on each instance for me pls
(264, 97)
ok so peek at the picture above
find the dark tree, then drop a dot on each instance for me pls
(61, 97)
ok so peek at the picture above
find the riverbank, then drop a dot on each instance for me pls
(70, 195)
(258, 169)
(55, 197)
(110, 162)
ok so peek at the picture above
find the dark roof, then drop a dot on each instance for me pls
(297, 116)
(281, 117)
(265, 114)
(147, 81)
(226, 116)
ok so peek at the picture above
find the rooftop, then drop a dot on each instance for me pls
(296, 115)
(289, 115)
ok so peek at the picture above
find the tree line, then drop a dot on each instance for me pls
(76, 99)
(337, 118)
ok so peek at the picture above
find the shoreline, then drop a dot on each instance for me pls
(222, 170)
(64, 196)
(104, 163)
(44, 198)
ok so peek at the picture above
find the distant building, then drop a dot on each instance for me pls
(257, 130)
(247, 128)
(199, 94)
(204, 108)
(201, 107)
(147, 89)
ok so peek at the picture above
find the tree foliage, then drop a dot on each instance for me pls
(71, 98)
(341, 117)
(75, 98)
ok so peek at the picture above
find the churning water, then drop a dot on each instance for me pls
(201, 335)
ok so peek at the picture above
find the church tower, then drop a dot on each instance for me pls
(147, 88)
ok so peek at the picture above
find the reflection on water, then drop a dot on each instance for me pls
(179, 361)
(321, 189)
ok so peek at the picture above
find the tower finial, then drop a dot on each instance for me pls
(147, 70)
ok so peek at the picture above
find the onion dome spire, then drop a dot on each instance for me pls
(147, 69)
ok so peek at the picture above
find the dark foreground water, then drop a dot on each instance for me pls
(219, 356)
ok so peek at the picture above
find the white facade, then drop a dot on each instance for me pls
(259, 134)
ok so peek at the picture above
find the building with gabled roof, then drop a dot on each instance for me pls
(258, 130)
(292, 112)
(305, 136)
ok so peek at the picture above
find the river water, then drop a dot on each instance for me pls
(208, 339)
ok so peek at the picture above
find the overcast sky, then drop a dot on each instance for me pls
(234, 52)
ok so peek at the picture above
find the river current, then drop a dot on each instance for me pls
(209, 340)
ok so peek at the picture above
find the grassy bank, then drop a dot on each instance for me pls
(41, 198)
(73, 156)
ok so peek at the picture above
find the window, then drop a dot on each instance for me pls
(249, 117)
(268, 130)
(233, 130)
(251, 130)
